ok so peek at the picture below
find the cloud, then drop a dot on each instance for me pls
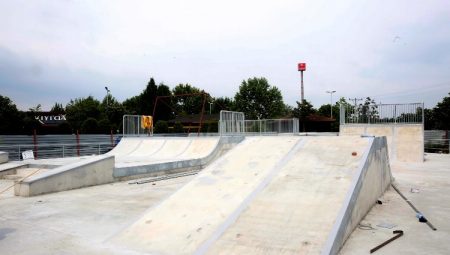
(75, 48)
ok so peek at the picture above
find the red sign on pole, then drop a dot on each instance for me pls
(301, 66)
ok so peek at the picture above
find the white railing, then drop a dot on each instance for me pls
(272, 126)
(382, 114)
(133, 126)
(231, 123)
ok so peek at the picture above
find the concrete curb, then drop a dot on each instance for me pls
(4, 157)
(362, 195)
(88, 172)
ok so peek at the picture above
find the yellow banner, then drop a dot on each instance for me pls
(146, 122)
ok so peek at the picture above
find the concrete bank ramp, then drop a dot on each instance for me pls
(137, 156)
(269, 195)
(87, 172)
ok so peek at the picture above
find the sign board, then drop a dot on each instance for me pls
(28, 154)
(301, 66)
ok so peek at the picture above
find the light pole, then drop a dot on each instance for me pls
(107, 95)
(331, 101)
(301, 68)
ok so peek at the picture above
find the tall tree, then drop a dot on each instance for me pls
(442, 114)
(302, 111)
(258, 99)
(10, 118)
(80, 109)
(221, 103)
(189, 104)
(58, 108)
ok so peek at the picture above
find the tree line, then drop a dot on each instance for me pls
(255, 97)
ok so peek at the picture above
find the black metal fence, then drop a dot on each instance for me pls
(57, 146)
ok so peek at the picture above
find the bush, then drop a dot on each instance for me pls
(64, 128)
(161, 126)
(178, 128)
(104, 126)
(89, 126)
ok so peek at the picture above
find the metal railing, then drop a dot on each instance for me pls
(56, 146)
(437, 141)
(231, 123)
(271, 126)
(382, 114)
(132, 126)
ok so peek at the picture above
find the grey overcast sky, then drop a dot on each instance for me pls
(394, 51)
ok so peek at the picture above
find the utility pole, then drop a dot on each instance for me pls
(301, 68)
(355, 100)
(331, 101)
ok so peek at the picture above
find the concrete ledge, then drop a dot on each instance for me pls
(131, 172)
(88, 172)
(4, 157)
(369, 183)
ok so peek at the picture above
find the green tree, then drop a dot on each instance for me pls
(90, 126)
(131, 105)
(178, 127)
(58, 109)
(302, 111)
(161, 126)
(441, 114)
(367, 111)
(221, 103)
(104, 126)
(258, 99)
(164, 107)
(112, 110)
(189, 104)
(10, 118)
(80, 109)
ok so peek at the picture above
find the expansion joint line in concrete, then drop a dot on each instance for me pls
(204, 247)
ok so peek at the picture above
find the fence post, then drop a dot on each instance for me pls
(112, 139)
(35, 144)
(78, 144)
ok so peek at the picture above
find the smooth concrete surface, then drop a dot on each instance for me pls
(369, 183)
(405, 141)
(138, 157)
(77, 221)
(88, 172)
(269, 195)
(4, 157)
(427, 186)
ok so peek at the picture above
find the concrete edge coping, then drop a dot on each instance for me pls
(63, 169)
(350, 198)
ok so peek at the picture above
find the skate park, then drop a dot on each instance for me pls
(239, 192)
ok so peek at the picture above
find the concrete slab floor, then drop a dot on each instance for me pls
(77, 221)
(430, 182)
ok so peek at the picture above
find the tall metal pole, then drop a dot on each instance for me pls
(302, 92)
(331, 101)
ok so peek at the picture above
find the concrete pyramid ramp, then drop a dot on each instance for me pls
(270, 195)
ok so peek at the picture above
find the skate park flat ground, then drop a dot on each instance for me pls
(269, 218)
(427, 186)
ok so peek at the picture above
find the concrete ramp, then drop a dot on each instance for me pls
(269, 195)
(138, 156)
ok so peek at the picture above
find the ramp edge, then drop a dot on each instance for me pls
(362, 194)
